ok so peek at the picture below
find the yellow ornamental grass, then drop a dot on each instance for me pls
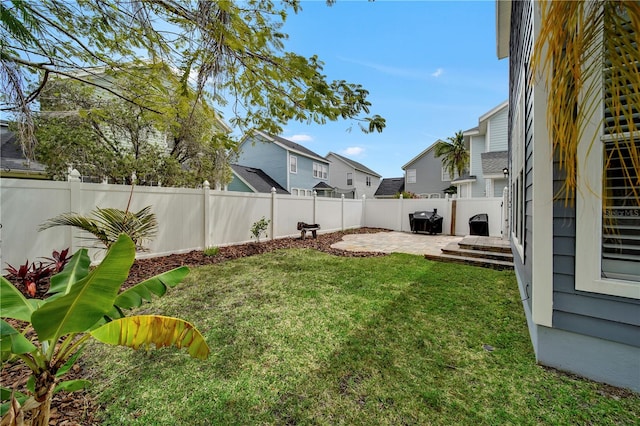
(587, 52)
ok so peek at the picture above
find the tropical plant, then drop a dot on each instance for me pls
(211, 251)
(51, 333)
(108, 223)
(260, 227)
(32, 275)
(568, 54)
(455, 157)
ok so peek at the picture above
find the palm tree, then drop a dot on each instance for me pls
(577, 39)
(454, 153)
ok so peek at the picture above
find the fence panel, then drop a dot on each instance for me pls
(233, 213)
(353, 214)
(290, 211)
(329, 214)
(468, 207)
(427, 204)
(382, 213)
(25, 205)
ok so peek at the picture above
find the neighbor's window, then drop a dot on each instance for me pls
(411, 175)
(349, 179)
(320, 171)
(368, 180)
(445, 177)
(293, 164)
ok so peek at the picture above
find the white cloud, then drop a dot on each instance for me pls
(437, 73)
(300, 138)
(354, 151)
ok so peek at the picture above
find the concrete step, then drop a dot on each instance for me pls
(485, 244)
(457, 250)
(472, 261)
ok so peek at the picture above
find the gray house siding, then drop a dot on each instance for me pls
(520, 51)
(498, 132)
(428, 175)
(304, 178)
(338, 177)
(591, 334)
(269, 157)
(478, 144)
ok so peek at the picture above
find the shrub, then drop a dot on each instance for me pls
(211, 251)
(260, 227)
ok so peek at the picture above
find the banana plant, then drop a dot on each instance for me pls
(49, 334)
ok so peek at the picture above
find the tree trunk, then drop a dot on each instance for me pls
(45, 384)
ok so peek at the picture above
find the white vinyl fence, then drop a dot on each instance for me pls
(192, 219)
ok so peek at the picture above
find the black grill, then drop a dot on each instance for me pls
(427, 222)
(479, 225)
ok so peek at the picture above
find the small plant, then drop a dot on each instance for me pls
(211, 251)
(108, 223)
(32, 275)
(260, 227)
(406, 195)
(82, 303)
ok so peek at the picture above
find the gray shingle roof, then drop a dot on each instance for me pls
(297, 147)
(355, 164)
(258, 179)
(494, 162)
(465, 176)
(322, 185)
(390, 187)
(11, 157)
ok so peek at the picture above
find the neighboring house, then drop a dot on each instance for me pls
(580, 286)
(347, 174)
(488, 156)
(297, 169)
(250, 179)
(425, 175)
(389, 188)
(12, 161)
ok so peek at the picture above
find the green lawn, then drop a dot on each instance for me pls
(302, 337)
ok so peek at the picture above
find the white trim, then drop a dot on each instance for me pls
(415, 176)
(588, 263)
(292, 157)
(542, 202)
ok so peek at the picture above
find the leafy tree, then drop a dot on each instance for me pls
(236, 51)
(455, 157)
(83, 303)
(182, 144)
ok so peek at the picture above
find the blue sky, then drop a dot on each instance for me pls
(430, 67)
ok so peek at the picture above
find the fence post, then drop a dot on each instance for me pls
(274, 212)
(315, 205)
(206, 205)
(401, 205)
(453, 216)
(342, 212)
(74, 179)
(363, 205)
(505, 213)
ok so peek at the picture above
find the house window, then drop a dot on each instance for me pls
(517, 169)
(320, 171)
(445, 177)
(368, 180)
(293, 164)
(411, 175)
(608, 212)
(349, 179)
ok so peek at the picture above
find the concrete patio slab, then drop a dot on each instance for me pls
(396, 242)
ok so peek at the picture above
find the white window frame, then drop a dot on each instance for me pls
(518, 210)
(293, 164)
(368, 180)
(588, 258)
(320, 171)
(411, 176)
(444, 175)
(349, 179)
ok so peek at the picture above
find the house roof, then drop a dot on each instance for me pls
(389, 187)
(494, 162)
(11, 156)
(291, 146)
(322, 185)
(256, 179)
(358, 166)
(422, 154)
(464, 178)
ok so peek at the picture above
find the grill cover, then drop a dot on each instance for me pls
(426, 221)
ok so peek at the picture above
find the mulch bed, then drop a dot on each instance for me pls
(78, 408)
